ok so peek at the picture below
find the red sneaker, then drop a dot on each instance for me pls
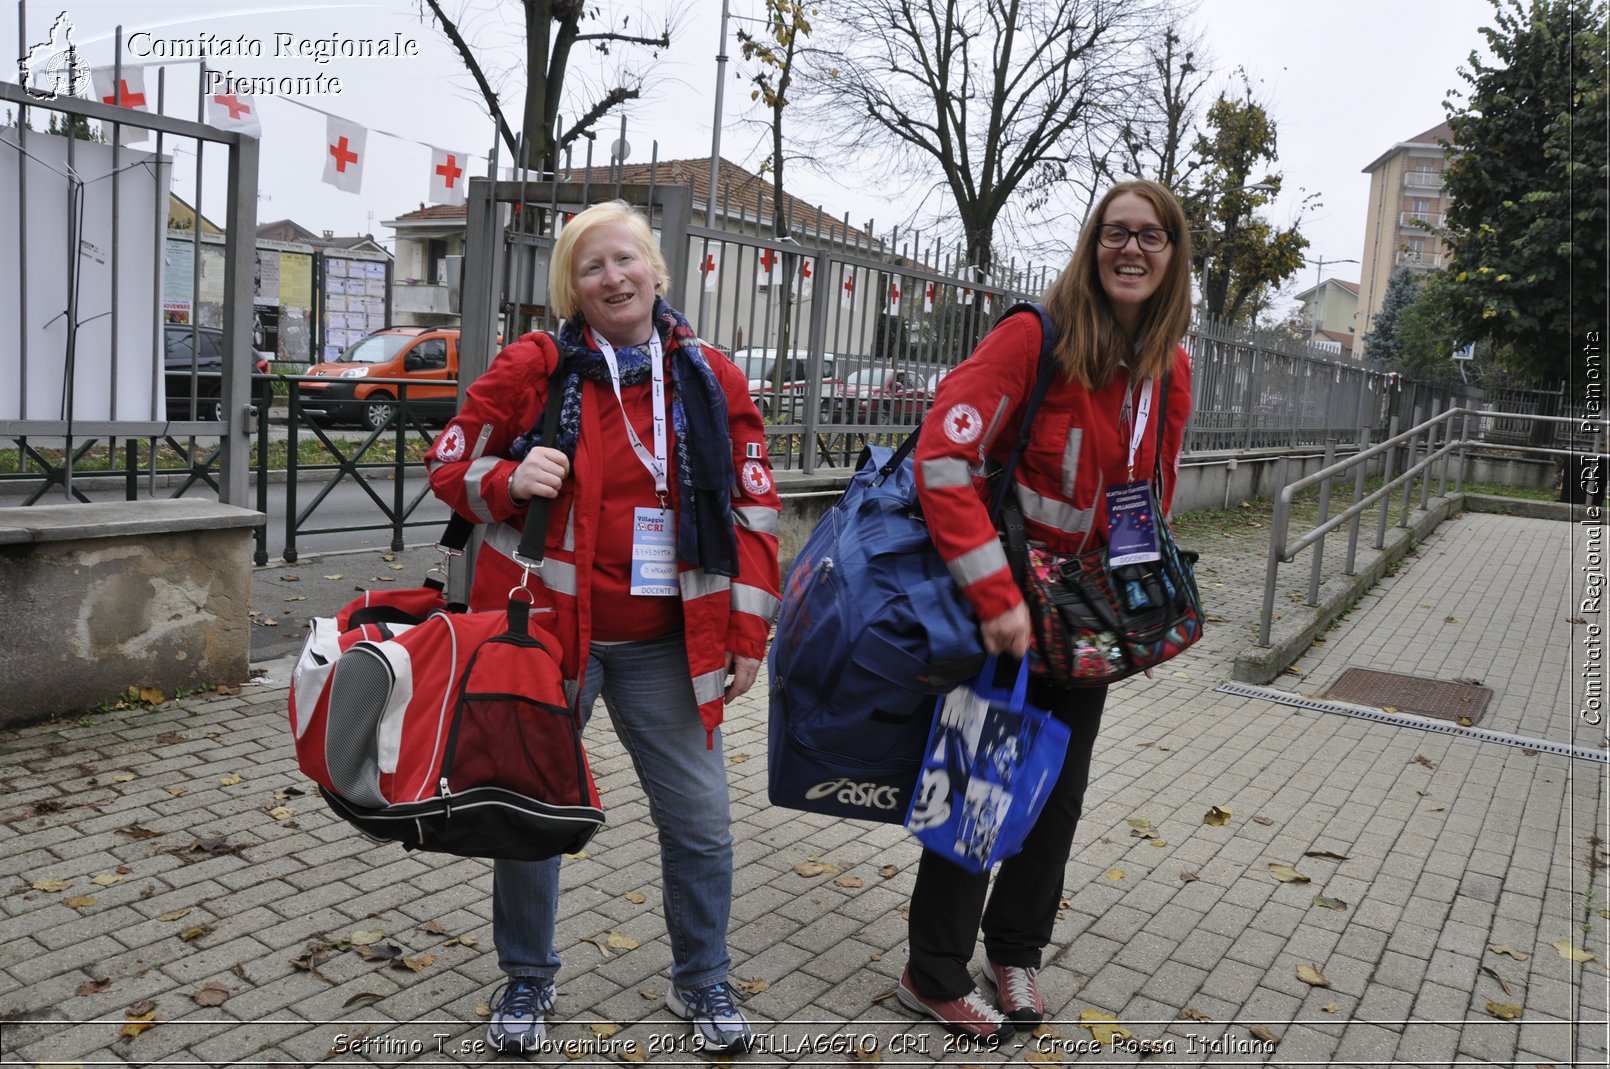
(1017, 992)
(969, 1015)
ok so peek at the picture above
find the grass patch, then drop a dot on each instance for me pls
(310, 452)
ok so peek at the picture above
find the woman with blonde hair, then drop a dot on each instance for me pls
(661, 571)
(1120, 308)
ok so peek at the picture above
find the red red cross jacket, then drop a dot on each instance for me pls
(1076, 450)
(469, 470)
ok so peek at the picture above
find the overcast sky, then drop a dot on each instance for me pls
(1344, 81)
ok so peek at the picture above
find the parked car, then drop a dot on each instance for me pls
(884, 395)
(186, 347)
(760, 366)
(343, 390)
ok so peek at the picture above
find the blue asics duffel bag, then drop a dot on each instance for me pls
(871, 629)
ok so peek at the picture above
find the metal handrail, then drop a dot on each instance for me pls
(1282, 549)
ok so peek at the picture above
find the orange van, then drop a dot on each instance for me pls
(346, 389)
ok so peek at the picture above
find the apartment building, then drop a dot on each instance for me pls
(1406, 216)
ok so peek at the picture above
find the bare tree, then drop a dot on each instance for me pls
(1158, 139)
(994, 95)
(553, 28)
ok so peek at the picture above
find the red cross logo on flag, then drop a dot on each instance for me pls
(802, 281)
(928, 299)
(768, 268)
(711, 267)
(446, 177)
(232, 111)
(847, 291)
(344, 153)
(128, 91)
(894, 297)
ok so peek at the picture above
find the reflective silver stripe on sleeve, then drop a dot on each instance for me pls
(557, 576)
(944, 472)
(1001, 408)
(977, 564)
(697, 582)
(754, 601)
(757, 518)
(477, 471)
(710, 686)
(1050, 513)
(1070, 460)
(480, 441)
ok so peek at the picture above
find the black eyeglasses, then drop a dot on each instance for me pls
(1149, 238)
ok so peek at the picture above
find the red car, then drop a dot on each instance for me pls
(884, 395)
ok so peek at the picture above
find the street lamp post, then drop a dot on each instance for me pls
(1319, 273)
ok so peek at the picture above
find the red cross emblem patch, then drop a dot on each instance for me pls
(963, 424)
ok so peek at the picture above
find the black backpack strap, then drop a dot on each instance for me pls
(1044, 370)
(535, 536)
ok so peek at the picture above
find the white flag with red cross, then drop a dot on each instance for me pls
(234, 111)
(894, 296)
(344, 154)
(447, 176)
(802, 278)
(710, 266)
(847, 291)
(770, 265)
(928, 299)
(131, 84)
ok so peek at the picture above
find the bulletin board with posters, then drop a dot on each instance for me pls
(282, 304)
(355, 300)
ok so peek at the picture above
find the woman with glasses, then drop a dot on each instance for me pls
(1120, 307)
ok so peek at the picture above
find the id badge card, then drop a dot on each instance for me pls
(1131, 524)
(653, 554)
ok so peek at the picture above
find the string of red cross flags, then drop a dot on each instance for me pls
(346, 142)
(346, 150)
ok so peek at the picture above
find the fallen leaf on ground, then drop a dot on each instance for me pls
(229, 780)
(1104, 1026)
(1142, 833)
(889, 871)
(1260, 1032)
(122, 777)
(1191, 1014)
(295, 578)
(603, 1029)
(1505, 1011)
(1139, 823)
(337, 575)
(617, 941)
(213, 994)
(282, 812)
(365, 937)
(1499, 948)
(814, 868)
(636, 898)
(152, 696)
(362, 998)
(1116, 874)
(1571, 952)
(416, 964)
(52, 883)
(106, 879)
(737, 759)
(134, 831)
(848, 882)
(1286, 874)
(178, 792)
(433, 927)
(1450, 619)
(79, 901)
(315, 955)
(463, 941)
(1421, 759)
(1490, 971)
(1265, 821)
(380, 952)
(1159, 842)
(1310, 975)
(1330, 1007)
(1331, 854)
(1330, 903)
(1188, 876)
(871, 1055)
(1389, 708)
(579, 854)
(752, 986)
(190, 935)
(135, 1023)
(1466, 722)
(92, 987)
(1216, 817)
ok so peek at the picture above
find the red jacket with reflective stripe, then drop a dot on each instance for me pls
(469, 470)
(1075, 452)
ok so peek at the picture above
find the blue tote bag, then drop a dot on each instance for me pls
(991, 762)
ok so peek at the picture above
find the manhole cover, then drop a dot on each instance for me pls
(1411, 694)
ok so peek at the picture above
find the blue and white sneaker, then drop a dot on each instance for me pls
(716, 1018)
(520, 1009)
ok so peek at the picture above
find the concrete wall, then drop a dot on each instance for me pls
(97, 598)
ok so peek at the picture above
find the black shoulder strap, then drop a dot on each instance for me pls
(535, 535)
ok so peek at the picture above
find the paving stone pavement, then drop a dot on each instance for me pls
(146, 868)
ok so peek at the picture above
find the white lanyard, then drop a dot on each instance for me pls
(655, 463)
(1143, 412)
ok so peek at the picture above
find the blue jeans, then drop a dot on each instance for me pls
(649, 695)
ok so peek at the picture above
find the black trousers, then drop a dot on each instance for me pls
(948, 902)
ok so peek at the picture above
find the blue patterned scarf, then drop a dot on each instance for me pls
(704, 472)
